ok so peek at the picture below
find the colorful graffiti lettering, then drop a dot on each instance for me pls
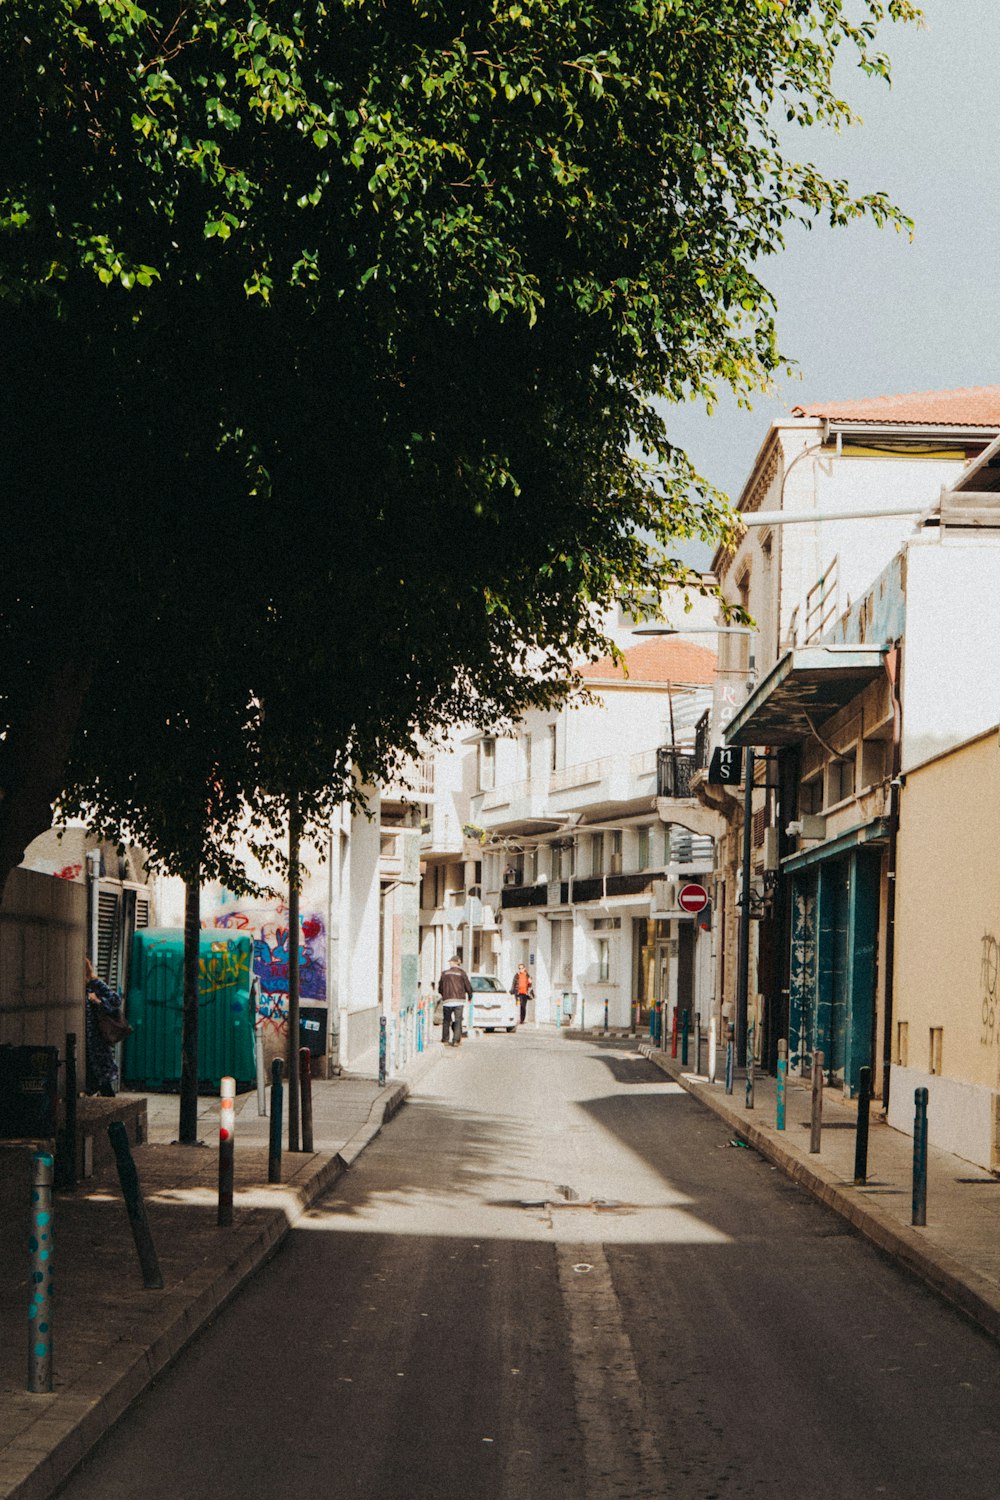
(227, 964)
(69, 872)
(268, 925)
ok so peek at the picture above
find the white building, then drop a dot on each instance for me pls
(580, 819)
(846, 483)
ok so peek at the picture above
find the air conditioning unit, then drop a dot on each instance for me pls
(664, 897)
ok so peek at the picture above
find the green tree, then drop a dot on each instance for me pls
(338, 337)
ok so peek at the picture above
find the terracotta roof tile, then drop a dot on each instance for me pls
(970, 406)
(662, 658)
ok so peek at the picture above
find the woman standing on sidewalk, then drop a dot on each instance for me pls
(105, 1018)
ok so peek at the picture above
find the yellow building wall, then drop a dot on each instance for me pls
(946, 950)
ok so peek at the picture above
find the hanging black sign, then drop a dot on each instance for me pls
(727, 766)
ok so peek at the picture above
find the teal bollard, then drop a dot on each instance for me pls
(40, 1309)
(781, 1084)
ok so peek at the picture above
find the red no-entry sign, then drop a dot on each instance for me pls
(693, 898)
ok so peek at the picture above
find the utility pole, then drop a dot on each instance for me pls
(293, 971)
(187, 1132)
(743, 972)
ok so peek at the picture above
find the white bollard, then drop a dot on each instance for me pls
(712, 1060)
(227, 1143)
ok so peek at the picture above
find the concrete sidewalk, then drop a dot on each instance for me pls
(957, 1253)
(111, 1337)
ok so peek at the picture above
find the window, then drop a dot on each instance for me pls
(937, 1037)
(903, 1043)
(552, 747)
(642, 854)
(603, 959)
(566, 861)
(811, 796)
(526, 757)
(597, 854)
(821, 604)
(487, 765)
(615, 865)
(873, 762)
(840, 779)
(531, 865)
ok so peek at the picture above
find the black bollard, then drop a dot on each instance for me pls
(277, 1101)
(861, 1136)
(748, 1093)
(919, 1216)
(306, 1097)
(730, 1059)
(152, 1280)
(66, 1158)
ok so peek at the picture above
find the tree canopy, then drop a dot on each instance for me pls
(338, 336)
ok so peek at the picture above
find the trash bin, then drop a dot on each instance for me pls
(28, 1092)
(313, 1021)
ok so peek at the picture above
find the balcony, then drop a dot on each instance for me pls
(584, 773)
(514, 802)
(413, 782)
(603, 887)
(513, 897)
(674, 770)
(441, 832)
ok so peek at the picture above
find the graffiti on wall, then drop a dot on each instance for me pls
(988, 985)
(268, 926)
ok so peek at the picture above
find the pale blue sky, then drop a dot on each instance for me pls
(867, 312)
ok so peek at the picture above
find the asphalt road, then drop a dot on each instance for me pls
(552, 1277)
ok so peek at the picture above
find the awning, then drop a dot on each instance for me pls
(809, 683)
(874, 834)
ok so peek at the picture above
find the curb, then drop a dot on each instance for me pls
(81, 1421)
(965, 1290)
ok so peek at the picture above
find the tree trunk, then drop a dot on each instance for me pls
(188, 1127)
(34, 754)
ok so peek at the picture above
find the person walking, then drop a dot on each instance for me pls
(454, 988)
(522, 989)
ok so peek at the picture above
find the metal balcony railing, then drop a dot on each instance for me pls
(674, 770)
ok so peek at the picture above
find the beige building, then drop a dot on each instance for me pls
(947, 1013)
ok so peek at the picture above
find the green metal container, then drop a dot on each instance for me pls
(155, 1004)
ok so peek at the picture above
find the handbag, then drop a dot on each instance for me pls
(113, 1029)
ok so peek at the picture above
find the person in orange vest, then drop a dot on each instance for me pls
(521, 987)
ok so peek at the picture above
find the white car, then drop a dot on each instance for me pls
(493, 1007)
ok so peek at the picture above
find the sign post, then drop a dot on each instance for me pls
(692, 898)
